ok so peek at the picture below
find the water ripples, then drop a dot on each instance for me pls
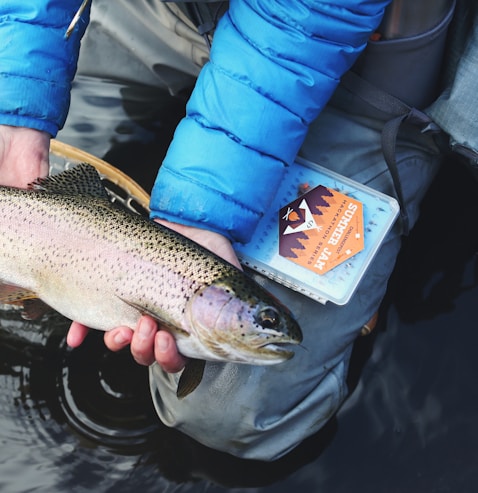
(64, 412)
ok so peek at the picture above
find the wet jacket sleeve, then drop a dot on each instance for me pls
(37, 63)
(274, 64)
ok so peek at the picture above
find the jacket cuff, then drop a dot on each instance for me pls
(216, 191)
(38, 63)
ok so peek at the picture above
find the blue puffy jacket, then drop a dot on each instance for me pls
(37, 63)
(274, 65)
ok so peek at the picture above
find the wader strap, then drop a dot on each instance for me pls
(204, 14)
(400, 112)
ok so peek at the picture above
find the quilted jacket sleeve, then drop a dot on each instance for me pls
(37, 62)
(274, 64)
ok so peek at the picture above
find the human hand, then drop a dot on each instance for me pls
(148, 342)
(24, 155)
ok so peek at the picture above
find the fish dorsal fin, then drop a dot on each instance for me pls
(82, 179)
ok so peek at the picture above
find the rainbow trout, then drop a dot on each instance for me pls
(64, 245)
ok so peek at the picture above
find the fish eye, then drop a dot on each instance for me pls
(268, 318)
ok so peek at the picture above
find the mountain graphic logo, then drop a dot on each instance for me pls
(300, 222)
(321, 229)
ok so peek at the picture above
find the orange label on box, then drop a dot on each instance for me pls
(321, 229)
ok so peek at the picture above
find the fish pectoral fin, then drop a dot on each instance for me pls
(33, 307)
(191, 377)
(165, 324)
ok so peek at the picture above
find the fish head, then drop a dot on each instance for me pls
(237, 320)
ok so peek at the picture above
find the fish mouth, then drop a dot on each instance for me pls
(278, 350)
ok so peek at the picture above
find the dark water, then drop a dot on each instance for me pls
(81, 420)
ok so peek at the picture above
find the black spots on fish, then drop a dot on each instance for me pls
(203, 266)
(241, 327)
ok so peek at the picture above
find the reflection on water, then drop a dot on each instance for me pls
(77, 419)
(129, 126)
(74, 420)
(41, 450)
